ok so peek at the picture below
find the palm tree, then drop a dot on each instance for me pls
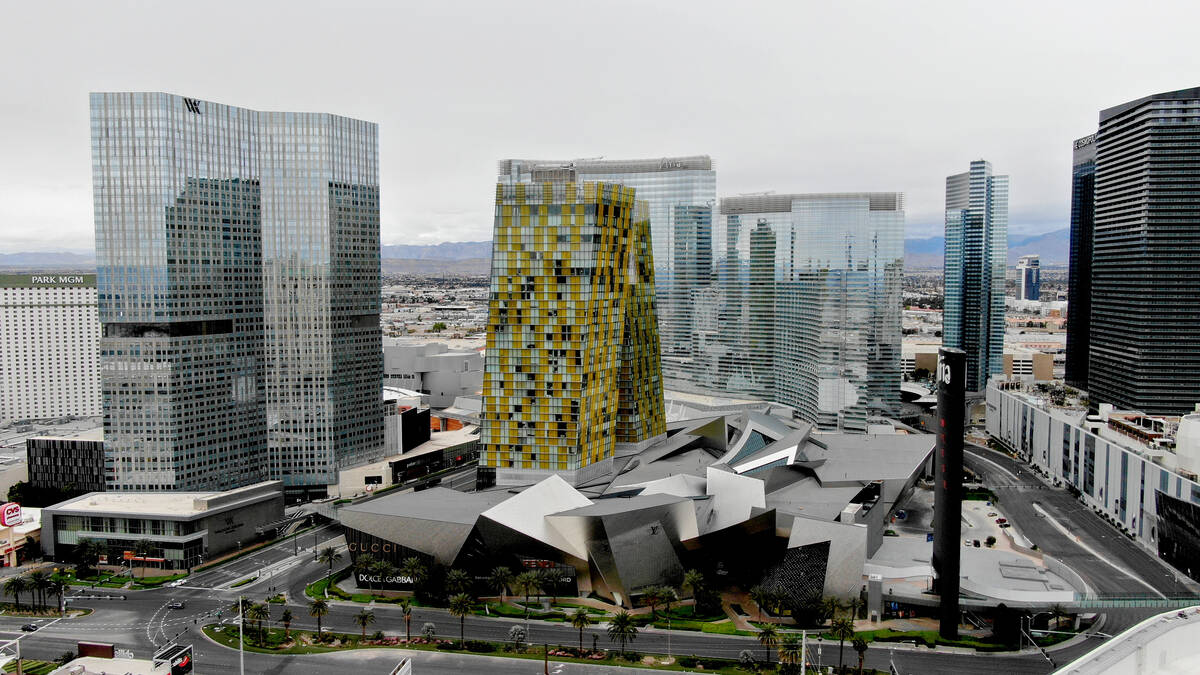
(829, 608)
(414, 569)
(329, 555)
(286, 620)
(39, 581)
(15, 586)
(242, 606)
(318, 608)
(87, 554)
(406, 609)
(857, 604)
(652, 596)
(553, 580)
(258, 614)
(142, 548)
(791, 650)
(694, 580)
(363, 619)
(364, 564)
(460, 606)
(58, 585)
(527, 583)
(860, 645)
(768, 637)
(581, 619)
(668, 596)
(382, 569)
(842, 629)
(457, 582)
(500, 578)
(759, 596)
(1057, 612)
(622, 629)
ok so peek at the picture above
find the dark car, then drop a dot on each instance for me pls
(29, 627)
(178, 604)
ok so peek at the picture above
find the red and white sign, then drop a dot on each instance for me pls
(10, 514)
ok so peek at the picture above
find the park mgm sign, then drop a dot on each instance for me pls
(47, 280)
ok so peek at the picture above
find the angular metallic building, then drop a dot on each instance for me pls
(1145, 275)
(572, 372)
(238, 282)
(681, 193)
(975, 263)
(809, 303)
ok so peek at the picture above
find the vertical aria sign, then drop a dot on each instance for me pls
(947, 485)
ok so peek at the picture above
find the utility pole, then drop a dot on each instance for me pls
(545, 657)
(241, 640)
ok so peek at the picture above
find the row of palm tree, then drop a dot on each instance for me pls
(789, 646)
(39, 584)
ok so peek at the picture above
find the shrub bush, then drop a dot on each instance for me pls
(480, 646)
(688, 661)
(448, 646)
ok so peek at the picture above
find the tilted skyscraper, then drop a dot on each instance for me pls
(975, 262)
(810, 288)
(681, 193)
(572, 372)
(1145, 276)
(1079, 291)
(238, 280)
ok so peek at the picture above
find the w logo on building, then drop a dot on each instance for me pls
(192, 105)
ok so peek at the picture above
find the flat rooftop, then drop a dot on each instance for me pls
(167, 504)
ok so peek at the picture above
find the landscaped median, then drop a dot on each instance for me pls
(275, 641)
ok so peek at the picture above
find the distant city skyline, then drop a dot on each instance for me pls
(888, 116)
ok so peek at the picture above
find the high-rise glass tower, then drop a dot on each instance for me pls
(975, 262)
(1029, 278)
(1079, 291)
(681, 193)
(811, 302)
(572, 373)
(1145, 312)
(238, 284)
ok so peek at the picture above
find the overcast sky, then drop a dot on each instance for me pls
(786, 96)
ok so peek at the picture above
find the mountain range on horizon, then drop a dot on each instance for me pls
(1053, 247)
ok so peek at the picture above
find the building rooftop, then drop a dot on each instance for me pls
(168, 504)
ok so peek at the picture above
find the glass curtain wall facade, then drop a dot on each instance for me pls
(975, 262)
(810, 311)
(196, 204)
(572, 364)
(1079, 291)
(681, 193)
(1029, 278)
(1144, 345)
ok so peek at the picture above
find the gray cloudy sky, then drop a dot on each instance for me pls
(786, 96)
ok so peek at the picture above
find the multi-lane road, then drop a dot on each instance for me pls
(143, 621)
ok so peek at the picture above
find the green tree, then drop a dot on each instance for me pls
(39, 581)
(856, 607)
(406, 610)
(860, 645)
(329, 556)
(990, 541)
(759, 596)
(843, 629)
(652, 596)
(460, 606)
(438, 327)
(694, 580)
(364, 618)
(414, 569)
(258, 614)
(552, 580)
(791, 653)
(829, 608)
(142, 548)
(581, 620)
(768, 637)
(363, 564)
(286, 620)
(86, 556)
(517, 635)
(457, 581)
(15, 586)
(500, 578)
(382, 569)
(58, 586)
(318, 608)
(621, 628)
(526, 583)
